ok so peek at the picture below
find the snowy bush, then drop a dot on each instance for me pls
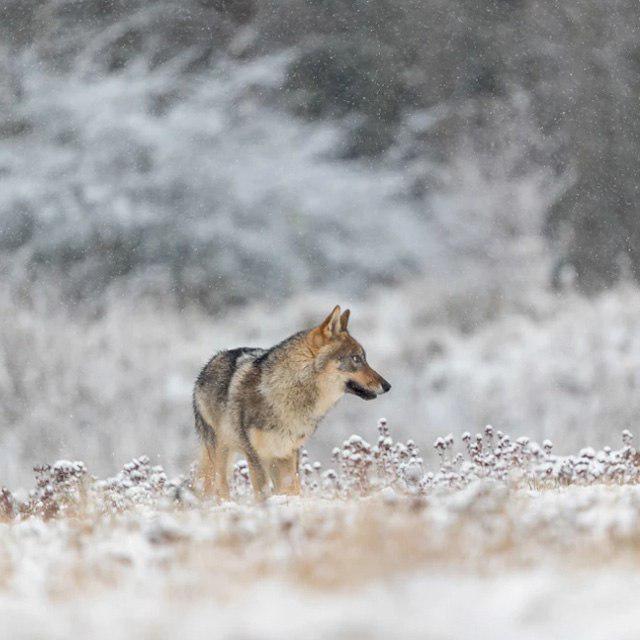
(360, 469)
(155, 153)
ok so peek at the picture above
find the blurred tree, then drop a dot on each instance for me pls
(596, 108)
(369, 64)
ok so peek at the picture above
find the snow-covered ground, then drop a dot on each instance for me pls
(436, 602)
(506, 541)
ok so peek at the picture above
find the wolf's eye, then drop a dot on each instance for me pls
(356, 359)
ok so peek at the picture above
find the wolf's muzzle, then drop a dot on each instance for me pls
(353, 387)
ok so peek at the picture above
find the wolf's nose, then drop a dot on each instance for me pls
(385, 386)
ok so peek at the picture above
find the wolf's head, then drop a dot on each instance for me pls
(342, 359)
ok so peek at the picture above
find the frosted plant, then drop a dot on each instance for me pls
(360, 470)
(60, 488)
(8, 507)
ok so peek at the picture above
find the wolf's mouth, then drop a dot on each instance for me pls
(360, 391)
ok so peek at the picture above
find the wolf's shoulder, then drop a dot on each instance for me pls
(281, 349)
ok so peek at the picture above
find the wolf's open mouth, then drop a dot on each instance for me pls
(356, 389)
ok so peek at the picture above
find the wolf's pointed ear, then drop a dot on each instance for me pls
(344, 320)
(330, 327)
(331, 324)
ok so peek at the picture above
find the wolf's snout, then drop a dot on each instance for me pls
(385, 386)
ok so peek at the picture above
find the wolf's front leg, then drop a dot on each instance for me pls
(284, 473)
(258, 478)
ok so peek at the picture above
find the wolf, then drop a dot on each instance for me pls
(265, 403)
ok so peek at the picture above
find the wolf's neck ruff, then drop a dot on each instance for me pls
(294, 384)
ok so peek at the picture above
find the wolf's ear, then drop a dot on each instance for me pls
(330, 326)
(344, 320)
(328, 329)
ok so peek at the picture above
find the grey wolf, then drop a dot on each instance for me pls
(266, 403)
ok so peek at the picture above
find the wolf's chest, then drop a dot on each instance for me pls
(282, 441)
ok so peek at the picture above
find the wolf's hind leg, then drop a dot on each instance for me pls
(284, 473)
(206, 471)
(220, 472)
(212, 471)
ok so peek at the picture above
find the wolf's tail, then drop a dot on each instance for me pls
(203, 428)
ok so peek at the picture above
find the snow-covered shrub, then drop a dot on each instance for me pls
(389, 467)
(140, 483)
(8, 507)
(158, 155)
(61, 489)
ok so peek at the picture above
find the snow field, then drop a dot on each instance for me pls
(504, 540)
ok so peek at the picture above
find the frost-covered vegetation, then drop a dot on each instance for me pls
(498, 522)
(161, 173)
